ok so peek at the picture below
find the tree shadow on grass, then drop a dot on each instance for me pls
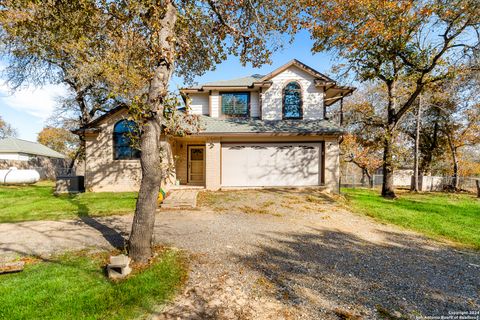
(325, 270)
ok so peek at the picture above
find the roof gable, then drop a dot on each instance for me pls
(104, 117)
(261, 80)
(299, 65)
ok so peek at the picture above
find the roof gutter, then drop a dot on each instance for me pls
(258, 84)
(269, 134)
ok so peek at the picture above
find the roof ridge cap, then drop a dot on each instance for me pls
(241, 77)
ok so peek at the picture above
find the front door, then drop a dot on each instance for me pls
(196, 165)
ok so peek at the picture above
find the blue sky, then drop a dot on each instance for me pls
(27, 109)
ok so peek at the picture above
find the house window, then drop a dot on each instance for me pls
(122, 140)
(235, 103)
(292, 101)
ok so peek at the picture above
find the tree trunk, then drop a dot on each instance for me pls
(362, 180)
(387, 186)
(453, 150)
(428, 153)
(477, 182)
(141, 237)
(370, 180)
(417, 144)
(455, 170)
(80, 151)
(387, 183)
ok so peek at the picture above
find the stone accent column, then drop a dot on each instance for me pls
(212, 165)
(332, 165)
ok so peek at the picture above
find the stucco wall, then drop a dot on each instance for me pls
(102, 172)
(212, 166)
(332, 165)
(312, 96)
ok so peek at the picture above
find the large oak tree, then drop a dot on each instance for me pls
(53, 42)
(458, 106)
(390, 41)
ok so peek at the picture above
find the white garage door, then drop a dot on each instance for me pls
(270, 164)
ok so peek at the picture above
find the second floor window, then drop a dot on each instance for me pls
(235, 103)
(292, 101)
(123, 131)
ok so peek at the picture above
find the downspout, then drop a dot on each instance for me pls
(340, 140)
(341, 110)
(260, 103)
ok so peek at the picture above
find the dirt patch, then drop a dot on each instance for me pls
(213, 295)
(277, 202)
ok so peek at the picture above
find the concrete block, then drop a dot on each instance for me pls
(119, 267)
(9, 267)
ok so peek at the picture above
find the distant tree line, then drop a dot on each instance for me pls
(448, 115)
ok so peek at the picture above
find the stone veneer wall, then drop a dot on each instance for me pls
(46, 167)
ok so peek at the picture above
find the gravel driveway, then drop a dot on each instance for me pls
(282, 254)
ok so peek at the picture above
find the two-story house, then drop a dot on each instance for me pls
(257, 131)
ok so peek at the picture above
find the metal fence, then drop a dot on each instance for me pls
(430, 183)
(352, 181)
(464, 183)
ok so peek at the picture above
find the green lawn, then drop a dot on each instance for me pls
(74, 286)
(37, 202)
(454, 217)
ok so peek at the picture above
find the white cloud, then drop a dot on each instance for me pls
(38, 102)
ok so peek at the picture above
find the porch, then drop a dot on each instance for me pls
(195, 160)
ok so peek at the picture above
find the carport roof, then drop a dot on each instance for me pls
(14, 145)
(250, 125)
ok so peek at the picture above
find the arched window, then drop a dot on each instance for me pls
(122, 142)
(292, 101)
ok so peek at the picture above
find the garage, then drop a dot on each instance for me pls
(271, 164)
